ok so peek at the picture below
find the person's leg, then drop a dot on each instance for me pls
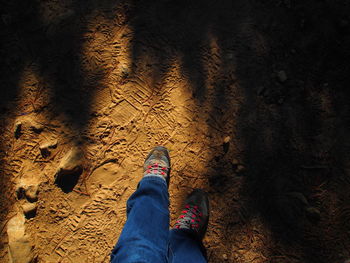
(145, 235)
(184, 247)
(185, 240)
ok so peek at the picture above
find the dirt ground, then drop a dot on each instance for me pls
(250, 97)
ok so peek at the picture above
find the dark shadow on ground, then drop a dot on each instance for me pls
(293, 132)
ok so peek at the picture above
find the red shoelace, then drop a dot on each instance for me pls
(156, 168)
(189, 218)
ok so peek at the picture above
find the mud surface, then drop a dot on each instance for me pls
(251, 98)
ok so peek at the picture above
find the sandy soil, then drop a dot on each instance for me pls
(250, 97)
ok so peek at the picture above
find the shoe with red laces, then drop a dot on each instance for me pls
(195, 216)
(157, 163)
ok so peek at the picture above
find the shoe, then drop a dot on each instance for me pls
(157, 163)
(195, 216)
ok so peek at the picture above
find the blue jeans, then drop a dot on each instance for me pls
(146, 237)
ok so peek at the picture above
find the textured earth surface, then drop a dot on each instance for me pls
(250, 97)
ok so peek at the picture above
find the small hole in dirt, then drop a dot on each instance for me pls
(20, 193)
(67, 182)
(30, 214)
(226, 147)
(18, 131)
(37, 130)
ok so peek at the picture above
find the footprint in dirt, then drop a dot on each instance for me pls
(104, 175)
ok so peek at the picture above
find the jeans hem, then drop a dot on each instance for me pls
(154, 178)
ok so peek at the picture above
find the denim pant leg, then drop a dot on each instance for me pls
(185, 248)
(145, 235)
